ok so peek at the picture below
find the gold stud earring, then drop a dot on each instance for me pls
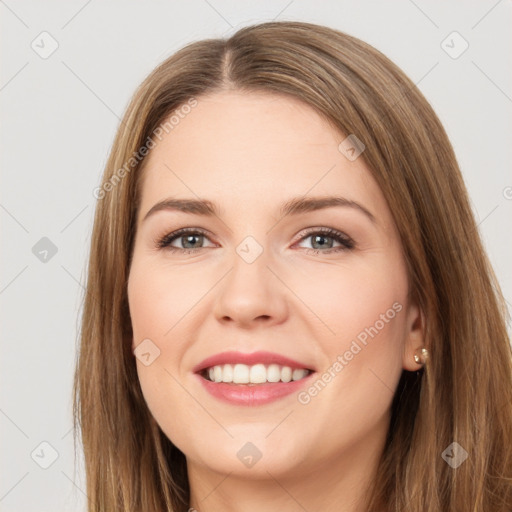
(421, 356)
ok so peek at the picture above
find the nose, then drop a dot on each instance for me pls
(251, 294)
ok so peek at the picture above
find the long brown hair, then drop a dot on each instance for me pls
(464, 392)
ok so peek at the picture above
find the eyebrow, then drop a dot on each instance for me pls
(294, 206)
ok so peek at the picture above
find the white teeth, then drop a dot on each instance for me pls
(227, 373)
(286, 374)
(299, 374)
(258, 374)
(240, 374)
(274, 373)
(255, 374)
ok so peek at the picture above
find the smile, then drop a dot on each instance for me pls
(251, 379)
(255, 374)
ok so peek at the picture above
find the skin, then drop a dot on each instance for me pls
(233, 148)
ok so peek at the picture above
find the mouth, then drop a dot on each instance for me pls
(253, 374)
(251, 379)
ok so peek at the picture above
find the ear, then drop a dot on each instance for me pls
(414, 337)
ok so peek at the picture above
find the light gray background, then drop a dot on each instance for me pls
(59, 116)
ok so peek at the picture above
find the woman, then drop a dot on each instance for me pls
(334, 337)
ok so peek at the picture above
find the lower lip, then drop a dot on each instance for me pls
(252, 394)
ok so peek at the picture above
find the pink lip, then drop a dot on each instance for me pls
(250, 394)
(261, 357)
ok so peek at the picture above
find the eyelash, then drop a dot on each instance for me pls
(346, 242)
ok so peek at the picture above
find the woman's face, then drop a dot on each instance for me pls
(262, 281)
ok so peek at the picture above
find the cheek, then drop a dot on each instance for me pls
(159, 298)
(156, 307)
(362, 308)
(157, 304)
(347, 298)
(363, 312)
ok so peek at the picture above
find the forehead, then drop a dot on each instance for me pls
(253, 151)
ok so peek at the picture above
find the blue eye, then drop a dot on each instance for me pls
(192, 238)
(188, 236)
(319, 235)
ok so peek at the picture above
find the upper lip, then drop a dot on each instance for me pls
(249, 359)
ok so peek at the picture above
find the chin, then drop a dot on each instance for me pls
(250, 453)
